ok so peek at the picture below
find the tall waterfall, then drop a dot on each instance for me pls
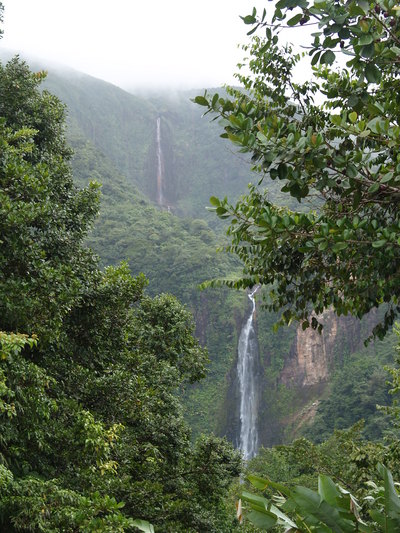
(248, 371)
(160, 166)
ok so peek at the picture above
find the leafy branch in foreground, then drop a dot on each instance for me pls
(340, 159)
(331, 508)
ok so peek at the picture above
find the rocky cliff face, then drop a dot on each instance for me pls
(313, 354)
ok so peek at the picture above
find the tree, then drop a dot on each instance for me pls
(44, 217)
(92, 432)
(339, 158)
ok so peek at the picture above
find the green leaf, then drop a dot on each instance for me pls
(387, 177)
(363, 4)
(327, 58)
(143, 525)
(336, 120)
(309, 502)
(374, 187)
(328, 490)
(372, 73)
(315, 58)
(368, 51)
(249, 19)
(283, 171)
(201, 100)
(365, 39)
(258, 482)
(215, 201)
(293, 21)
(261, 137)
(379, 244)
(339, 246)
(263, 520)
(215, 100)
(392, 501)
(260, 502)
(353, 116)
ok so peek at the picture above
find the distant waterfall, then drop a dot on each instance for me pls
(247, 371)
(160, 166)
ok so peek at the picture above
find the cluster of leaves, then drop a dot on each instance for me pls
(90, 366)
(331, 508)
(342, 156)
(302, 468)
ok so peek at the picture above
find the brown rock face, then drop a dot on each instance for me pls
(312, 354)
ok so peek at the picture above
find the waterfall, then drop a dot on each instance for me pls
(248, 371)
(160, 166)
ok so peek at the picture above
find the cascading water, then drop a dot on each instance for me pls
(160, 166)
(248, 372)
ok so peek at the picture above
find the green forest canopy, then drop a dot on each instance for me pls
(92, 431)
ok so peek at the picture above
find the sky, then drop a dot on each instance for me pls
(140, 44)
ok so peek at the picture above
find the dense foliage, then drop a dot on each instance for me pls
(90, 365)
(341, 155)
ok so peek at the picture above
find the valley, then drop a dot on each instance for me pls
(159, 162)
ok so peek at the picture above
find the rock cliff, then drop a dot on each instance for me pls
(312, 354)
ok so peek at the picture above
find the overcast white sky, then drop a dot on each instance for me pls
(134, 43)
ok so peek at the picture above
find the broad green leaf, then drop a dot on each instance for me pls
(215, 100)
(262, 137)
(263, 520)
(365, 39)
(387, 524)
(392, 501)
(368, 51)
(315, 58)
(143, 525)
(258, 482)
(363, 4)
(372, 73)
(327, 58)
(328, 490)
(283, 518)
(283, 171)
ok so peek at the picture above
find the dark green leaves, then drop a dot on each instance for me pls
(201, 100)
(372, 73)
(294, 20)
(339, 158)
(327, 58)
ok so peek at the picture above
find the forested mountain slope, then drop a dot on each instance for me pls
(114, 137)
(176, 255)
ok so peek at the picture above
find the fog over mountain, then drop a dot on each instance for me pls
(134, 45)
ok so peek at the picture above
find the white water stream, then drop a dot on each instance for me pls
(247, 371)
(160, 166)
